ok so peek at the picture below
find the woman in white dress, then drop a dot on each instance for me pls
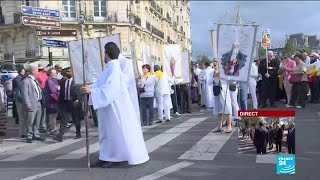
(222, 102)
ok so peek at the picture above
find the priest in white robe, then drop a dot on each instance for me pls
(120, 134)
(207, 78)
(127, 69)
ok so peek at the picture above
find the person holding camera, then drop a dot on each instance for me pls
(147, 91)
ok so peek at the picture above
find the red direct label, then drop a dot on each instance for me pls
(266, 113)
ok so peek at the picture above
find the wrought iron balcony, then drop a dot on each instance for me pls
(157, 32)
(156, 7)
(2, 21)
(135, 19)
(16, 18)
(31, 53)
(148, 25)
(8, 56)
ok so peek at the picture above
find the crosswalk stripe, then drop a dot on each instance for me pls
(80, 153)
(167, 171)
(266, 159)
(42, 150)
(208, 147)
(43, 174)
(163, 138)
(5, 148)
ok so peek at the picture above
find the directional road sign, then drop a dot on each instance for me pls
(58, 32)
(54, 43)
(35, 11)
(31, 21)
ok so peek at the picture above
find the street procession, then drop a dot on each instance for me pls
(146, 90)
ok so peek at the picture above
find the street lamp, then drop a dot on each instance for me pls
(85, 99)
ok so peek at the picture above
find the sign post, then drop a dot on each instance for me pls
(266, 43)
(32, 21)
(35, 11)
(54, 43)
(54, 33)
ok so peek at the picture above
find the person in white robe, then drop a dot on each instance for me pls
(207, 79)
(127, 69)
(202, 85)
(233, 90)
(120, 134)
(254, 75)
(162, 91)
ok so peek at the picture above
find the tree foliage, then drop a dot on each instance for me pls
(291, 49)
(201, 59)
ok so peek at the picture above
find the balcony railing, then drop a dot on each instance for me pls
(2, 21)
(169, 40)
(136, 19)
(8, 56)
(148, 25)
(16, 18)
(31, 53)
(156, 7)
(175, 25)
(111, 16)
(181, 28)
(157, 32)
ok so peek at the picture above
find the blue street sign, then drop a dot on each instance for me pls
(54, 43)
(34, 11)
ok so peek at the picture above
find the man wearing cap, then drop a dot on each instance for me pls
(313, 78)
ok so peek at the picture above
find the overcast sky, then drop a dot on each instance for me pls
(282, 18)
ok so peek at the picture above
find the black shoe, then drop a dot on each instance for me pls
(168, 120)
(104, 164)
(159, 122)
(28, 140)
(39, 138)
(57, 138)
(77, 137)
(263, 106)
(23, 136)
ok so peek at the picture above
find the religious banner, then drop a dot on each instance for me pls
(186, 66)
(134, 59)
(235, 44)
(146, 52)
(266, 39)
(172, 60)
(92, 58)
(112, 38)
(214, 42)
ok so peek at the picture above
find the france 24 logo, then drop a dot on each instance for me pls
(286, 164)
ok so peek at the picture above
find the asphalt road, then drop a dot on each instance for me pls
(182, 149)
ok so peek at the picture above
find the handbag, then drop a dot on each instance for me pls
(232, 86)
(295, 78)
(141, 89)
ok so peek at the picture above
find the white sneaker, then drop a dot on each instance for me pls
(299, 107)
(178, 114)
(289, 106)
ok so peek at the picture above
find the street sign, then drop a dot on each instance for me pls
(62, 32)
(31, 21)
(34, 11)
(54, 43)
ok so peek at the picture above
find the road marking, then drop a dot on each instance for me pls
(145, 128)
(163, 138)
(266, 159)
(80, 153)
(43, 174)
(208, 147)
(167, 170)
(42, 150)
(12, 148)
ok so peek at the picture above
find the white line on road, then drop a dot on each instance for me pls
(167, 171)
(43, 174)
(208, 147)
(42, 150)
(266, 159)
(163, 138)
(80, 153)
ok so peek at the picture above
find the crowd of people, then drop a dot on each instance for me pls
(272, 135)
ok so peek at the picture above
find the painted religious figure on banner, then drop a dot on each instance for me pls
(233, 61)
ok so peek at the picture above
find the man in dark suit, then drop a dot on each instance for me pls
(261, 139)
(269, 79)
(291, 139)
(66, 103)
(77, 110)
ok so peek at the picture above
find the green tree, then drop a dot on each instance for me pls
(201, 59)
(289, 49)
(262, 52)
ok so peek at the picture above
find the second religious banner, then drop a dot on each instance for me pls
(235, 45)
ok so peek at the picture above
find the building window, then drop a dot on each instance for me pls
(8, 45)
(100, 8)
(69, 9)
(27, 2)
(137, 1)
